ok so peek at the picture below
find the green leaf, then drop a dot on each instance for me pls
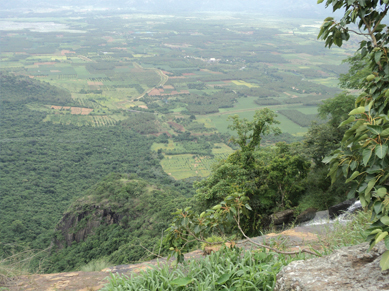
(377, 56)
(381, 192)
(185, 221)
(326, 160)
(381, 151)
(387, 242)
(376, 231)
(370, 186)
(349, 120)
(248, 207)
(261, 256)
(181, 282)
(377, 207)
(375, 129)
(353, 176)
(223, 278)
(384, 263)
(385, 220)
(385, 132)
(362, 199)
(358, 110)
(366, 154)
(319, 1)
(197, 229)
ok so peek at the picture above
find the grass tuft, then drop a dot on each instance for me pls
(96, 265)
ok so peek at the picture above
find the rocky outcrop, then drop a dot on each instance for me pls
(282, 217)
(349, 268)
(340, 208)
(77, 225)
(306, 215)
(322, 215)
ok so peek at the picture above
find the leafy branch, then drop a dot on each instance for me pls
(364, 154)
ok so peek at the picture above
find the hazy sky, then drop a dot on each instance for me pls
(292, 8)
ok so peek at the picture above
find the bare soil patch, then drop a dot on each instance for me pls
(64, 52)
(91, 83)
(44, 63)
(154, 92)
(108, 38)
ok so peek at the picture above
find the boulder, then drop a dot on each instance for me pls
(348, 268)
(306, 215)
(322, 215)
(282, 217)
(340, 208)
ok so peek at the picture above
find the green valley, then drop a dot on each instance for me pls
(119, 127)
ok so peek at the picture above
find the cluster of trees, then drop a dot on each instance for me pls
(304, 120)
(141, 122)
(205, 104)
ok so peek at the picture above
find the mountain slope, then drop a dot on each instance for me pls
(115, 219)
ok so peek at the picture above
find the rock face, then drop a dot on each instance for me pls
(306, 215)
(77, 226)
(282, 217)
(349, 268)
(340, 208)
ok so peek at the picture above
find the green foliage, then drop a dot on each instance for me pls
(205, 104)
(363, 158)
(359, 70)
(96, 265)
(323, 138)
(299, 118)
(212, 239)
(141, 122)
(20, 88)
(228, 269)
(139, 211)
(249, 179)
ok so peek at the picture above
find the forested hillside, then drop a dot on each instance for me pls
(116, 219)
(45, 166)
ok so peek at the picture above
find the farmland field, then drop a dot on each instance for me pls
(176, 78)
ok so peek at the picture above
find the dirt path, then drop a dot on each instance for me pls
(163, 76)
(292, 239)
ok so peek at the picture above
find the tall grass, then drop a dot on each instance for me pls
(235, 269)
(16, 261)
(345, 233)
(227, 269)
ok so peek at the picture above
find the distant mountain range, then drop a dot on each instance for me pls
(297, 8)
